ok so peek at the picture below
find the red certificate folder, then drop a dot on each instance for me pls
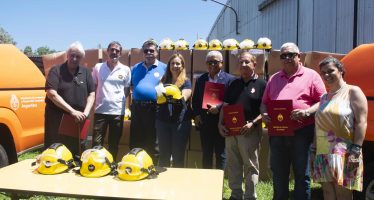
(69, 127)
(281, 123)
(233, 116)
(213, 94)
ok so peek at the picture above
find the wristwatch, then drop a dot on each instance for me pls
(307, 113)
(355, 148)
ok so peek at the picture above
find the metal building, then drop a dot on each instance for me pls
(315, 25)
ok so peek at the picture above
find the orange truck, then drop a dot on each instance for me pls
(359, 65)
(21, 104)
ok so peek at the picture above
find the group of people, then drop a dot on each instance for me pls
(329, 126)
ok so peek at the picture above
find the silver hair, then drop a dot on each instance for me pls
(291, 46)
(216, 54)
(76, 46)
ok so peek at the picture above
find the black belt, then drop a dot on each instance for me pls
(143, 103)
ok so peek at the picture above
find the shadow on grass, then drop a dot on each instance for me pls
(317, 193)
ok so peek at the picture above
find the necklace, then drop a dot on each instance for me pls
(336, 91)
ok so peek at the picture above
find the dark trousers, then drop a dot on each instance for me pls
(285, 151)
(115, 124)
(212, 141)
(52, 119)
(51, 125)
(172, 141)
(142, 129)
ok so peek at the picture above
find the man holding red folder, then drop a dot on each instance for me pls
(207, 119)
(304, 87)
(70, 91)
(242, 149)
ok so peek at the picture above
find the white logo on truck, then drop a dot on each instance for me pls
(14, 102)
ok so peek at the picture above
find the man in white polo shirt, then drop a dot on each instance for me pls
(112, 80)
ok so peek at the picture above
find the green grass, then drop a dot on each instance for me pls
(264, 189)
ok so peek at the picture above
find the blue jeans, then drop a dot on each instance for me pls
(172, 141)
(285, 151)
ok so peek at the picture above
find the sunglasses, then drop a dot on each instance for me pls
(213, 62)
(148, 50)
(289, 55)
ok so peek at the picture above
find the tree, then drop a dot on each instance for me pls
(44, 50)
(6, 38)
(28, 51)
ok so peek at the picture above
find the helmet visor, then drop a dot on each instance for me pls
(95, 154)
(48, 159)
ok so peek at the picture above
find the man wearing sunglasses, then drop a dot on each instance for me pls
(207, 120)
(112, 80)
(304, 87)
(145, 76)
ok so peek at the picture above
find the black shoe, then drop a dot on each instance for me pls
(233, 198)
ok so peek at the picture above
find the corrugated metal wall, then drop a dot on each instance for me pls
(315, 25)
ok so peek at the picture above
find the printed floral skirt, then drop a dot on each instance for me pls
(334, 167)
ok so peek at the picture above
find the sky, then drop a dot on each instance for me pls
(58, 23)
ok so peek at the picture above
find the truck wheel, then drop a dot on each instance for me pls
(3, 157)
(369, 183)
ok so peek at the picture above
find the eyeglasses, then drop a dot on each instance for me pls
(148, 50)
(115, 50)
(213, 62)
(288, 55)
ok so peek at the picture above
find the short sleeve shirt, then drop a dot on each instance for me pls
(304, 88)
(249, 94)
(144, 80)
(73, 88)
(110, 91)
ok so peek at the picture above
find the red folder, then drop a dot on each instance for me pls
(233, 116)
(281, 123)
(213, 94)
(69, 127)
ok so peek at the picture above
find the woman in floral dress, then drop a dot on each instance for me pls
(341, 121)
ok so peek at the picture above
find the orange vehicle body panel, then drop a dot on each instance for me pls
(22, 97)
(359, 66)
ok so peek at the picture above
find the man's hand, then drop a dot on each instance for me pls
(78, 116)
(298, 114)
(222, 130)
(198, 121)
(212, 109)
(246, 128)
(265, 118)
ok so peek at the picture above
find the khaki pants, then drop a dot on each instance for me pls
(242, 163)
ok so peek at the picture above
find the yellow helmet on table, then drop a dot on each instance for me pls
(54, 160)
(136, 165)
(96, 162)
(169, 91)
